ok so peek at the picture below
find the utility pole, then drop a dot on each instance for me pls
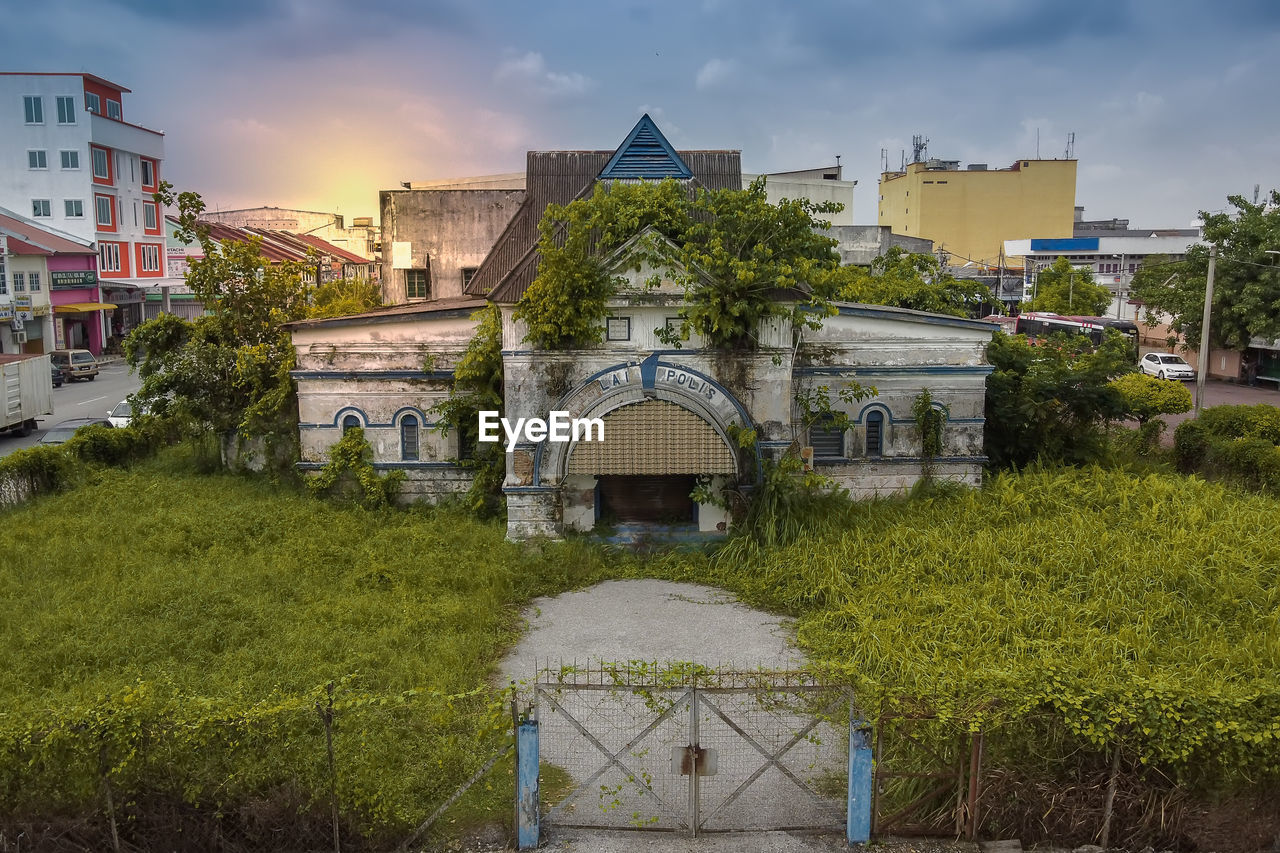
(1203, 366)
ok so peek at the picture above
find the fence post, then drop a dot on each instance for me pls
(527, 817)
(858, 827)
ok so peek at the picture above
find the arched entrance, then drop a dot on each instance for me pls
(666, 429)
(650, 461)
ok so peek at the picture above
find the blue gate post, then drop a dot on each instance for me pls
(527, 818)
(858, 827)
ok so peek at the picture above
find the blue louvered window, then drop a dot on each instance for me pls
(409, 438)
(875, 433)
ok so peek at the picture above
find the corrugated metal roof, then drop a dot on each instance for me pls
(38, 239)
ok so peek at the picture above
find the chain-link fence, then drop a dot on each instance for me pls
(334, 771)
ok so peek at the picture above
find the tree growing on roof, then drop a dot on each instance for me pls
(229, 370)
(908, 280)
(740, 258)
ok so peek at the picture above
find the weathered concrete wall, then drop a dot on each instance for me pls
(445, 230)
(380, 373)
(859, 245)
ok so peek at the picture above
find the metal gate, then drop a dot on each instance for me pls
(691, 750)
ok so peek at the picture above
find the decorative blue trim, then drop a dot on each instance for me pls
(913, 460)
(870, 372)
(371, 374)
(350, 410)
(528, 490)
(645, 153)
(337, 422)
(410, 410)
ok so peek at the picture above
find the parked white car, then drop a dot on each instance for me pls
(1165, 366)
(121, 414)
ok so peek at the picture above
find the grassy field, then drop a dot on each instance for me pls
(1132, 610)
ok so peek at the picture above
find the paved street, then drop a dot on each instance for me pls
(1226, 393)
(81, 399)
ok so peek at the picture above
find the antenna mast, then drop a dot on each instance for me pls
(919, 148)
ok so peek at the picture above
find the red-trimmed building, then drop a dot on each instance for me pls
(72, 161)
(38, 263)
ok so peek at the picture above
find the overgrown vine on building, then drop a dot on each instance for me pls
(350, 473)
(929, 422)
(477, 386)
(740, 259)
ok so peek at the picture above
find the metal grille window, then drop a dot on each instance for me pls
(33, 281)
(417, 284)
(826, 439)
(875, 433)
(19, 282)
(409, 438)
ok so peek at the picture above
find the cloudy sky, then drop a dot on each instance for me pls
(318, 104)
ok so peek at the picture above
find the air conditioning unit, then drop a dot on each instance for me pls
(19, 338)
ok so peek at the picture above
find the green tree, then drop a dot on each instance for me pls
(1062, 289)
(230, 369)
(740, 258)
(344, 297)
(1145, 397)
(1051, 400)
(1246, 283)
(908, 280)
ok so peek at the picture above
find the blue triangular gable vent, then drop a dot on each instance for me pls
(645, 153)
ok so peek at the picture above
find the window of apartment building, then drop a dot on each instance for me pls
(66, 109)
(109, 257)
(113, 109)
(150, 220)
(73, 208)
(4, 286)
(19, 282)
(417, 283)
(103, 207)
(468, 273)
(149, 257)
(135, 214)
(409, 438)
(37, 160)
(133, 172)
(148, 173)
(41, 207)
(33, 109)
(33, 281)
(70, 159)
(101, 164)
(92, 103)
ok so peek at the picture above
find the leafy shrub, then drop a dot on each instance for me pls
(40, 470)
(350, 473)
(1237, 442)
(1146, 396)
(1190, 443)
(1260, 421)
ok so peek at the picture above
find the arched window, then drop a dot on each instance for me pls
(875, 432)
(826, 439)
(409, 438)
(350, 422)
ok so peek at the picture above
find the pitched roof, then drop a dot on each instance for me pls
(27, 238)
(559, 177)
(461, 305)
(281, 245)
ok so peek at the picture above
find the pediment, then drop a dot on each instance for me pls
(637, 270)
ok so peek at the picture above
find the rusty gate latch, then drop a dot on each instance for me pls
(688, 760)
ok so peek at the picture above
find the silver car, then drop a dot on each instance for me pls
(1166, 366)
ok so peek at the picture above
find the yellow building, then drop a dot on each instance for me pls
(969, 213)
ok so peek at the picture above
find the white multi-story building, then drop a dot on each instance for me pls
(72, 161)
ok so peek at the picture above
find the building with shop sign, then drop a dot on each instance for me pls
(74, 163)
(48, 288)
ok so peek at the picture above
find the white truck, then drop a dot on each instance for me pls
(28, 391)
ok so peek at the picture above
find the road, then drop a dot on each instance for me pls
(81, 399)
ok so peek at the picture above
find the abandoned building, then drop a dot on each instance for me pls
(670, 415)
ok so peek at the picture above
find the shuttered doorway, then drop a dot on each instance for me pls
(662, 499)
